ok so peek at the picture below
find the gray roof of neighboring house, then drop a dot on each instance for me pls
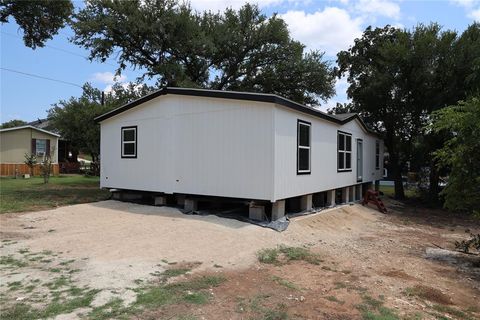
(30, 127)
(251, 96)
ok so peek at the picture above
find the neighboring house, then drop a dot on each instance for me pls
(66, 154)
(271, 151)
(18, 141)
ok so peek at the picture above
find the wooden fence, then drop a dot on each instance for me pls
(10, 169)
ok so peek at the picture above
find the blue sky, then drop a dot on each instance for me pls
(329, 26)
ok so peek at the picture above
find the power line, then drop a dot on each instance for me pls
(40, 77)
(58, 49)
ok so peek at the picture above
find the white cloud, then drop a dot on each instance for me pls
(385, 8)
(464, 3)
(107, 77)
(472, 7)
(330, 30)
(475, 15)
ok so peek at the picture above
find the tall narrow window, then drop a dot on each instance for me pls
(344, 151)
(303, 147)
(41, 147)
(129, 142)
(377, 154)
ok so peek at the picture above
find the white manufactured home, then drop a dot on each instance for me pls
(262, 148)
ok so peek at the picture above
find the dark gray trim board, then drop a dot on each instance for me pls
(235, 95)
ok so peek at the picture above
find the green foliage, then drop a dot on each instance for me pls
(12, 124)
(272, 255)
(373, 309)
(234, 50)
(74, 118)
(30, 161)
(460, 153)
(398, 77)
(269, 256)
(39, 19)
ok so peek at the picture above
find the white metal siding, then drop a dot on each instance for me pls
(193, 145)
(324, 175)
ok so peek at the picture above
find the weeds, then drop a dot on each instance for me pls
(285, 283)
(334, 299)
(268, 256)
(10, 262)
(284, 253)
(372, 309)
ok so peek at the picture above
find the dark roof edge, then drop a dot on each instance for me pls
(260, 97)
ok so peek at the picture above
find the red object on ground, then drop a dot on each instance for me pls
(371, 196)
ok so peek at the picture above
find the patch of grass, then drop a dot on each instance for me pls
(32, 194)
(372, 309)
(285, 283)
(217, 266)
(428, 293)
(334, 299)
(276, 255)
(269, 256)
(11, 262)
(114, 309)
(171, 273)
(196, 297)
(451, 311)
(186, 317)
(190, 291)
(62, 281)
(154, 297)
(55, 270)
(56, 307)
(13, 286)
(278, 313)
(64, 263)
(30, 288)
(23, 251)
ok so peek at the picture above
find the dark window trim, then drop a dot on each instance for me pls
(121, 144)
(302, 172)
(351, 152)
(358, 139)
(377, 143)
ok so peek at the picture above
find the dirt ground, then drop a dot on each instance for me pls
(369, 264)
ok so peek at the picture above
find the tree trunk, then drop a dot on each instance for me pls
(397, 176)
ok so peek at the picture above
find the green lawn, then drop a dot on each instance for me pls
(390, 191)
(32, 194)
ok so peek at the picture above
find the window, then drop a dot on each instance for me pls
(129, 142)
(344, 153)
(40, 147)
(377, 154)
(303, 147)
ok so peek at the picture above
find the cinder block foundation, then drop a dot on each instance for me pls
(345, 194)
(331, 198)
(160, 201)
(278, 209)
(190, 205)
(256, 212)
(352, 194)
(306, 202)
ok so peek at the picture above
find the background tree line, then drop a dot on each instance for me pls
(400, 81)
